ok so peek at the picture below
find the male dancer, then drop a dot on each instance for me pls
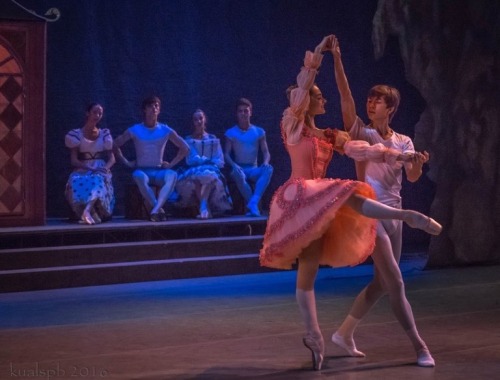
(241, 152)
(386, 179)
(150, 138)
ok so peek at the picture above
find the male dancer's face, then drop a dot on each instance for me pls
(377, 109)
(243, 114)
(152, 110)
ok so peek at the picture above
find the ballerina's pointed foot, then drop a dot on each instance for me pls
(423, 222)
(316, 346)
(350, 348)
(425, 359)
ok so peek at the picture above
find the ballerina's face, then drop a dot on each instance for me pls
(199, 121)
(95, 113)
(317, 102)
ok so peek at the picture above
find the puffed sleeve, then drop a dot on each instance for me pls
(107, 139)
(72, 139)
(338, 138)
(293, 117)
(360, 150)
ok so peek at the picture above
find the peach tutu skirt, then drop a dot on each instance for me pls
(304, 210)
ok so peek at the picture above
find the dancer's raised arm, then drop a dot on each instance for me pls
(346, 99)
(294, 116)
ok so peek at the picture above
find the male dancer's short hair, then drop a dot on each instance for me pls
(150, 100)
(390, 95)
(244, 102)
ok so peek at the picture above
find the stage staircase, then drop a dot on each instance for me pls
(64, 254)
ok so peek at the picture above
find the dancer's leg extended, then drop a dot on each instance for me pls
(373, 209)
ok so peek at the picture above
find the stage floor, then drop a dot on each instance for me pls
(248, 327)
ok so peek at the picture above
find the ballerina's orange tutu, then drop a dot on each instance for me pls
(308, 207)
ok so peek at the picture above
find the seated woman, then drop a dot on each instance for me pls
(89, 189)
(201, 183)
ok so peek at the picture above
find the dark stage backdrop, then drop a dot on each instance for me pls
(207, 54)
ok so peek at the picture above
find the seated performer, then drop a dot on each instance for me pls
(241, 152)
(150, 138)
(89, 189)
(201, 183)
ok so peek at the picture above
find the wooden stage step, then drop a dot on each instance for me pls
(63, 254)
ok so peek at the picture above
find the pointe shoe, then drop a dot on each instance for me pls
(351, 349)
(424, 223)
(424, 358)
(317, 351)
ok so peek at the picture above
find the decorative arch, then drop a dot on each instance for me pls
(22, 123)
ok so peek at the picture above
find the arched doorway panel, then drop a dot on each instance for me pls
(22, 123)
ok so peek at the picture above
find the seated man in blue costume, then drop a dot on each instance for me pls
(243, 142)
(150, 138)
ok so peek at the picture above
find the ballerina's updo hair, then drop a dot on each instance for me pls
(92, 105)
(390, 95)
(293, 87)
(199, 110)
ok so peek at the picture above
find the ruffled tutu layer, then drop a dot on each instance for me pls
(305, 210)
